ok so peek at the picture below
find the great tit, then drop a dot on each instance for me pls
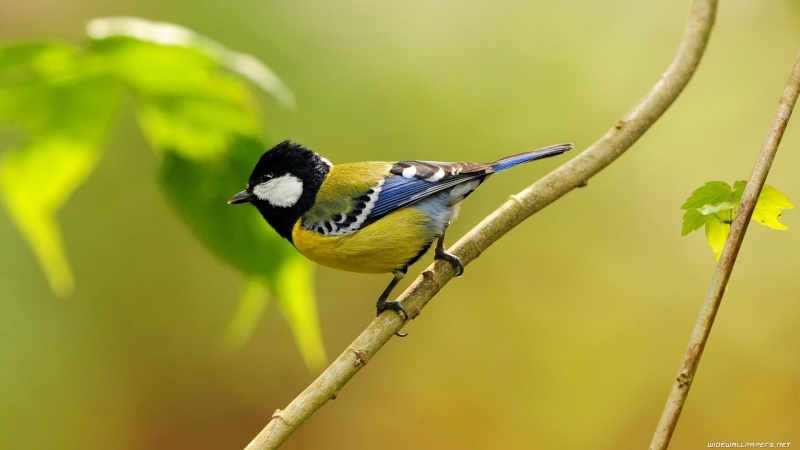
(368, 217)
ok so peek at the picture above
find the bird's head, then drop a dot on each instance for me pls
(284, 184)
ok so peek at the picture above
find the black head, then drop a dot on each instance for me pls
(284, 184)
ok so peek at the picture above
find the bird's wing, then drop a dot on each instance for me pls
(354, 195)
(346, 198)
(415, 180)
(411, 181)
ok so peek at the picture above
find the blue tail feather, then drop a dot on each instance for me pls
(515, 160)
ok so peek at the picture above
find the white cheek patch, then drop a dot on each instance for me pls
(282, 192)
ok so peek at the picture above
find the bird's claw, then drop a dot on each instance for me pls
(452, 259)
(393, 305)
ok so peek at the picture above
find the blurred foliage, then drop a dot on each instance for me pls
(193, 106)
(61, 104)
(715, 203)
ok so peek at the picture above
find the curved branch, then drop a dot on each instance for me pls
(697, 342)
(519, 207)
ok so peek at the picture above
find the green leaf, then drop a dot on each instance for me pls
(715, 205)
(195, 107)
(166, 35)
(187, 104)
(296, 300)
(769, 206)
(200, 191)
(717, 233)
(252, 301)
(195, 125)
(60, 106)
(738, 191)
(712, 193)
(205, 123)
(28, 61)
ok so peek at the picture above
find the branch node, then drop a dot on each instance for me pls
(582, 183)
(429, 276)
(515, 199)
(478, 250)
(683, 379)
(278, 414)
(361, 358)
(620, 124)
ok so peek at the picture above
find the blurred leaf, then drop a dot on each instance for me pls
(252, 301)
(205, 122)
(188, 105)
(715, 204)
(200, 190)
(167, 35)
(193, 124)
(34, 60)
(195, 107)
(295, 297)
(61, 107)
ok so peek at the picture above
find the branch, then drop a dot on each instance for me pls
(519, 207)
(697, 342)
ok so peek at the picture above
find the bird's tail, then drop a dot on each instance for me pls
(515, 160)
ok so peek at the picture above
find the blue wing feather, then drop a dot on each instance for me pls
(426, 178)
(398, 191)
(515, 160)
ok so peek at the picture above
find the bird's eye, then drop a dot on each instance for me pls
(266, 177)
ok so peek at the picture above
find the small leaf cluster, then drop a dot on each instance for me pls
(195, 105)
(714, 206)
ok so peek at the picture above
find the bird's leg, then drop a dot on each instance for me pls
(384, 304)
(441, 253)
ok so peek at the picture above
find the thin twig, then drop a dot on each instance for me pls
(573, 174)
(697, 342)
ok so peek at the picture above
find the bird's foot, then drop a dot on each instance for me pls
(393, 305)
(452, 259)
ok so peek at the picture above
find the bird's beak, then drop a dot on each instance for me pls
(241, 197)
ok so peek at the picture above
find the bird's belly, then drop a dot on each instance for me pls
(384, 246)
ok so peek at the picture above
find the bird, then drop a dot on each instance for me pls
(367, 217)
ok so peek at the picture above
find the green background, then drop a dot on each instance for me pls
(566, 334)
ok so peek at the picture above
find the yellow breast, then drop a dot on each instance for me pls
(383, 246)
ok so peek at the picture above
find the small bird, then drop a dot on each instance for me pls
(368, 217)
